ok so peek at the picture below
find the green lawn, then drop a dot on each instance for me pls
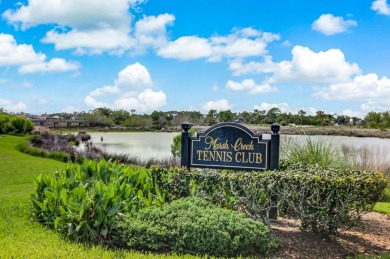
(384, 205)
(19, 237)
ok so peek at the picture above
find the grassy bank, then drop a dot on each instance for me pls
(19, 237)
(383, 206)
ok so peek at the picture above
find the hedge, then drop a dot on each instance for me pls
(322, 199)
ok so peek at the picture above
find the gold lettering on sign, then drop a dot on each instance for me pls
(215, 156)
(216, 151)
(214, 144)
(239, 146)
(248, 157)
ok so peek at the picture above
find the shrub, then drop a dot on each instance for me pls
(176, 144)
(5, 126)
(322, 199)
(40, 130)
(21, 125)
(24, 147)
(195, 226)
(82, 202)
(314, 151)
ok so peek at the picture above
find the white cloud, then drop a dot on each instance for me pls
(351, 113)
(241, 43)
(131, 90)
(13, 54)
(24, 56)
(88, 26)
(374, 106)
(250, 85)
(268, 66)
(92, 102)
(134, 76)
(308, 66)
(362, 88)
(186, 48)
(219, 105)
(91, 41)
(236, 48)
(104, 90)
(12, 105)
(151, 31)
(71, 109)
(381, 7)
(75, 13)
(55, 65)
(284, 108)
(329, 25)
(97, 26)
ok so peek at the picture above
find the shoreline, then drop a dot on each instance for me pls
(260, 129)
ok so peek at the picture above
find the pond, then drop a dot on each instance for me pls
(145, 145)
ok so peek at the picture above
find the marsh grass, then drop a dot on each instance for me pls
(321, 151)
(134, 160)
(26, 148)
(312, 151)
(367, 158)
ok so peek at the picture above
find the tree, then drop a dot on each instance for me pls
(271, 116)
(373, 119)
(119, 116)
(245, 117)
(176, 146)
(225, 116)
(258, 116)
(137, 121)
(103, 111)
(5, 123)
(301, 113)
(212, 117)
(320, 115)
(159, 120)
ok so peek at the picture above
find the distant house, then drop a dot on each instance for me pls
(55, 117)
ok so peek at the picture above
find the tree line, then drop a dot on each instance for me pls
(166, 119)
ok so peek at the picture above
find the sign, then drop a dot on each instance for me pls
(231, 146)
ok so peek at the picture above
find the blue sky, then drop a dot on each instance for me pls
(78, 55)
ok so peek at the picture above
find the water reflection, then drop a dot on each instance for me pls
(145, 145)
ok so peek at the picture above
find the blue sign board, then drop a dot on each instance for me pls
(230, 146)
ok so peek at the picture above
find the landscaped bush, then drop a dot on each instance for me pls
(323, 199)
(195, 226)
(82, 202)
(26, 148)
(40, 130)
(15, 124)
(21, 125)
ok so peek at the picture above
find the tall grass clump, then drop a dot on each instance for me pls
(313, 151)
(367, 158)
